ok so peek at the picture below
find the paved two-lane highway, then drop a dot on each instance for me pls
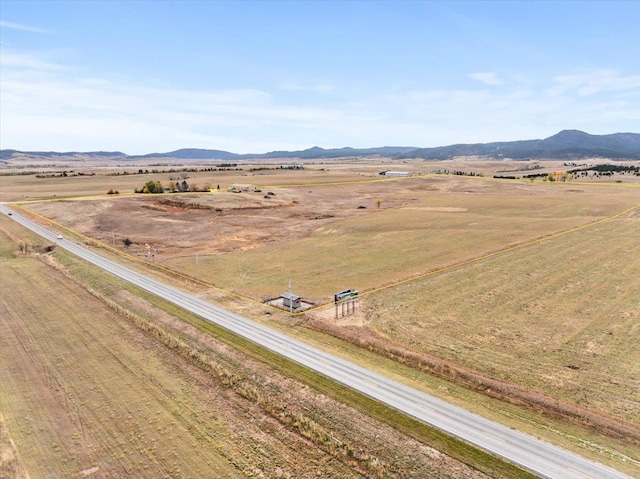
(528, 452)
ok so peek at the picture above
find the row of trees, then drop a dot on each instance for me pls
(154, 187)
(457, 173)
(63, 174)
(221, 167)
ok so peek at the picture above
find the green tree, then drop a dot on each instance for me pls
(153, 187)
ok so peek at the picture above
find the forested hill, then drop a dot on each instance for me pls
(568, 144)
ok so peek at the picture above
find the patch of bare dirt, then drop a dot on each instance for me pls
(217, 223)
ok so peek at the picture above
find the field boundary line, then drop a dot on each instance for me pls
(502, 251)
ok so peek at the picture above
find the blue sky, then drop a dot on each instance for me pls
(252, 77)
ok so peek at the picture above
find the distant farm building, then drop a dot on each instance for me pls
(241, 187)
(396, 174)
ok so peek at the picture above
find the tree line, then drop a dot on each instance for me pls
(155, 187)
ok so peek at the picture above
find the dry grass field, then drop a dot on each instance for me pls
(110, 387)
(422, 224)
(325, 238)
(96, 178)
(561, 316)
(557, 317)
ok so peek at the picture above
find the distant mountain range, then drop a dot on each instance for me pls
(4, 154)
(568, 144)
(311, 153)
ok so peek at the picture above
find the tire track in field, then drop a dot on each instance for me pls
(628, 211)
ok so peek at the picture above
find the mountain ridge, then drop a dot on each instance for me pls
(566, 144)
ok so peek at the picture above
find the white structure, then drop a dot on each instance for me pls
(241, 187)
(290, 300)
(396, 174)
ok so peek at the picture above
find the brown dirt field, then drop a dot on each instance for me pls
(210, 223)
(86, 392)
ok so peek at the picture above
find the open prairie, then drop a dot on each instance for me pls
(527, 282)
(94, 178)
(560, 316)
(113, 386)
(328, 237)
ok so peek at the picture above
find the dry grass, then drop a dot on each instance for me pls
(565, 311)
(423, 224)
(558, 317)
(11, 466)
(121, 389)
(76, 396)
(28, 187)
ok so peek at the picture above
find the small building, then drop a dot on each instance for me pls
(290, 300)
(396, 174)
(242, 187)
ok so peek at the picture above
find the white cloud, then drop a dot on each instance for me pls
(21, 61)
(321, 87)
(488, 78)
(24, 28)
(46, 106)
(58, 110)
(446, 116)
(592, 82)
